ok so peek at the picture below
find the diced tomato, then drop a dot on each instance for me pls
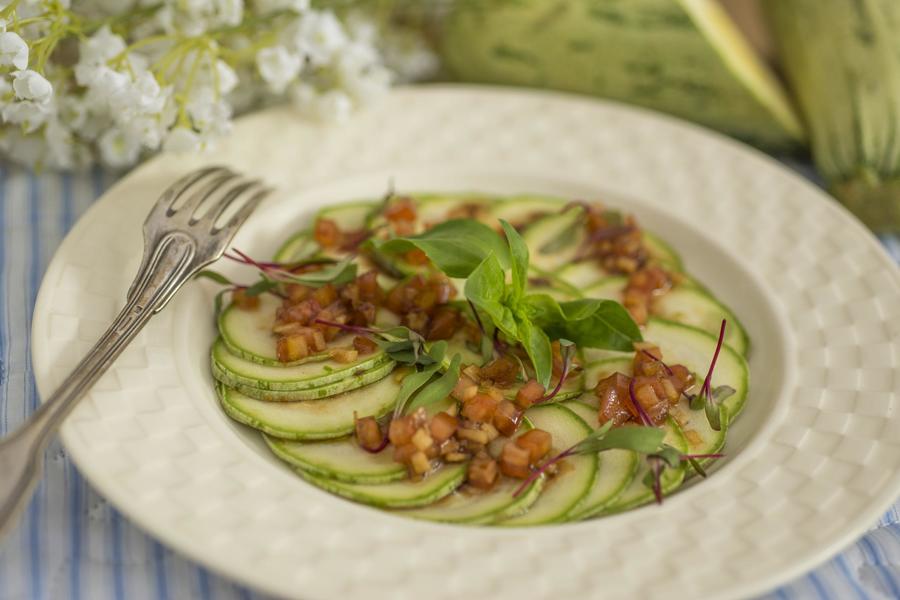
(538, 443)
(503, 371)
(483, 472)
(443, 426)
(291, 348)
(368, 433)
(515, 461)
(364, 345)
(480, 408)
(507, 418)
(612, 393)
(243, 301)
(327, 233)
(401, 430)
(402, 209)
(529, 393)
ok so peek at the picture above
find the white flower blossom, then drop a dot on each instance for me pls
(265, 7)
(29, 115)
(278, 67)
(182, 140)
(227, 79)
(31, 85)
(13, 50)
(119, 148)
(60, 145)
(125, 96)
(317, 36)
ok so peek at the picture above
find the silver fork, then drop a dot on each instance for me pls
(183, 233)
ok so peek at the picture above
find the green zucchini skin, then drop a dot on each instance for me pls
(397, 494)
(353, 381)
(341, 459)
(237, 372)
(310, 419)
(683, 57)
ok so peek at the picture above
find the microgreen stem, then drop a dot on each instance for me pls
(567, 362)
(660, 361)
(542, 469)
(712, 365)
(645, 418)
(349, 328)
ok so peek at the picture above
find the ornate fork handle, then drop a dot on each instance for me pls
(170, 266)
(179, 240)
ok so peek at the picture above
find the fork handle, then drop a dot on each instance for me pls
(163, 272)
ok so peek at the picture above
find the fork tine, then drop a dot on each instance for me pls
(241, 215)
(215, 212)
(202, 193)
(177, 189)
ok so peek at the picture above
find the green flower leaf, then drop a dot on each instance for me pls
(518, 253)
(588, 322)
(440, 388)
(486, 289)
(456, 247)
(537, 345)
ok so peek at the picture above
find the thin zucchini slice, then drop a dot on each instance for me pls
(692, 306)
(469, 505)
(340, 459)
(311, 419)
(574, 480)
(297, 247)
(351, 381)
(662, 251)
(522, 210)
(637, 492)
(583, 274)
(248, 333)
(616, 471)
(235, 371)
(601, 369)
(554, 240)
(397, 494)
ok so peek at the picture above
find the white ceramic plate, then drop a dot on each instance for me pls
(812, 461)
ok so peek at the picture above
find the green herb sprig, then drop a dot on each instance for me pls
(470, 249)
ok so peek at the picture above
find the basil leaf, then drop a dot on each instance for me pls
(411, 384)
(669, 454)
(645, 440)
(537, 345)
(456, 247)
(440, 388)
(337, 274)
(217, 277)
(518, 254)
(261, 287)
(588, 322)
(486, 289)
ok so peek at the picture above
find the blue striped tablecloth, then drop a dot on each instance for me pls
(72, 544)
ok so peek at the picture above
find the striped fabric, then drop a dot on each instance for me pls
(72, 544)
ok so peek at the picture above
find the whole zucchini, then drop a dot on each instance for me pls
(684, 57)
(842, 59)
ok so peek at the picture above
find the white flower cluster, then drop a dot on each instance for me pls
(124, 78)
